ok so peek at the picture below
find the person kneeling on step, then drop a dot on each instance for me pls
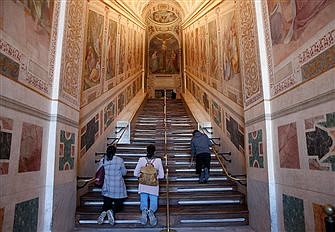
(149, 169)
(114, 189)
(201, 150)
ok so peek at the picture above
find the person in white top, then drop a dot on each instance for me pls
(149, 194)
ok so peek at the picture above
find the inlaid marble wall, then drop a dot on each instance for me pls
(296, 120)
(26, 215)
(6, 130)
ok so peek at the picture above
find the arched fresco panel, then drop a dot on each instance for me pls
(163, 54)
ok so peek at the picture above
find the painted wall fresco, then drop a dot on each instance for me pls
(320, 141)
(9, 68)
(67, 146)
(293, 210)
(122, 49)
(213, 50)
(111, 50)
(288, 146)
(121, 101)
(6, 131)
(30, 148)
(89, 133)
(256, 153)
(164, 54)
(26, 215)
(292, 22)
(35, 19)
(93, 54)
(232, 82)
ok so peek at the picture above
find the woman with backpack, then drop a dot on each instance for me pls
(114, 189)
(148, 187)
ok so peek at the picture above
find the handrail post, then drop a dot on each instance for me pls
(329, 220)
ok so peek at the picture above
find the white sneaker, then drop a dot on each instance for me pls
(110, 216)
(152, 218)
(101, 217)
(144, 217)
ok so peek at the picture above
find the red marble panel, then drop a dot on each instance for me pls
(319, 215)
(31, 148)
(288, 146)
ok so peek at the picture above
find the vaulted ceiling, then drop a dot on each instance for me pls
(187, 7)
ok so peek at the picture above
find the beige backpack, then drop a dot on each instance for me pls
(148, 174)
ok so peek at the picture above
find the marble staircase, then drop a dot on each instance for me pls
(215, 204)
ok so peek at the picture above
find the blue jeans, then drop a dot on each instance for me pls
(145, 198)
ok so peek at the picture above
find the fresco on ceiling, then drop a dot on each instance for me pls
(92, 65)
(163, 52)
(293, 21)
(164, 16)
(111, 50)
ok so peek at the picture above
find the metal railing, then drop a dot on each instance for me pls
(84, 181)
(168, 229)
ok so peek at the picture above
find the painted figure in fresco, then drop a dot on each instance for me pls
(288, 18)
(230, 51)
(171, 66)
(41, 11)
(92, 64)
(154, 62)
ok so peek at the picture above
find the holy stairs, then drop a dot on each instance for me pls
(190, 204)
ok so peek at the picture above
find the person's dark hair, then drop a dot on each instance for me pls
(151, 150)
(110, 152)
(195, 131)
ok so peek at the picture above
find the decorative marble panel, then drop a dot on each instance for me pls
(256, 154)
(235, 132)
(205, 101)
(26, 216)
(121, 102)
(288, 146)
(71, 64)
(8, 67)
(319, 217)
(109, 113)
(294, 218)
(2, 214)
(216, 114)
(30, 148)
(320, 64)
(67, 147)
(6, 130)
(89, 133)
(320, 142)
